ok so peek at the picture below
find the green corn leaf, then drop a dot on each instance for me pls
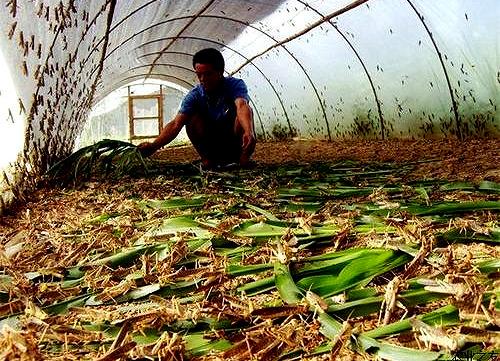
(373, 228)
(270, 229)
(361, 307)
(175, 203)
(63, 165)
(177, 225)
(314, 265)
(201, 324)
(336, 264)
(411, 250)
(296, 354)
(330, 327)
(324, 348)
(351, 252)
(71, 283)
(139, 292)
(102, 218)
(454, 208)
(488, 186)
(420, 296)
(444, 316)
(422, 192)
(179, 289)
(287, 289)
(197, 345)
(80, 163)
(198, 244)
(320, 192)
(295, 206)
(457, 186)
(361, 293)
(456, 235)
(234, 253)
(484, 186)
(299, 192)
(109, 330)
(259, 286)
(489, 266)
(76, 272)
(357, 272)
(235, 270)
(146, 336)
(291, 294)
(265, 213)
(126, 257)
(369, 305)
(263, 230)
(390, 352)
(63, 306)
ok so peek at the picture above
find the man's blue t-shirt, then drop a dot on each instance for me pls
(216, 106)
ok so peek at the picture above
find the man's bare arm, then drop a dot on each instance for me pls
(167, 134)
(245, 118)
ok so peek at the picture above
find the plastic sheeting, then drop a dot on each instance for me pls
(323, 69)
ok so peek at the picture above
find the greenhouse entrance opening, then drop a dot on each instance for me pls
(134, 113)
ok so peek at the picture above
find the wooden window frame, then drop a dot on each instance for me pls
(131, 118)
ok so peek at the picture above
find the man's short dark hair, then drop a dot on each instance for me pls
(209, 56)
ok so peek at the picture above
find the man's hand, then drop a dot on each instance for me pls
(147, 148)
(244, 116)
(248, 147)
(167, 134)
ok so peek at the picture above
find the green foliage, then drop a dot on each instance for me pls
(106, 157)
(322, 241)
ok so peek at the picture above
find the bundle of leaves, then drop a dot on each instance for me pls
(107, 157)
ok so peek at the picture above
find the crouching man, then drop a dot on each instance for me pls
(217, 116)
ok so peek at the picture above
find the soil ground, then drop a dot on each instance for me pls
(451, 159)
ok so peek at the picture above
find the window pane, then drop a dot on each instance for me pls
(145, 107)
(144, 127)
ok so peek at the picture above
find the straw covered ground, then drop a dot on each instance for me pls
(323, 251)
(450, 159)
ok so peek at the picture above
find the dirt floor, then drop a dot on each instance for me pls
(472, 159)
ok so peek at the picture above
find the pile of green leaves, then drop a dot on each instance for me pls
(106, 157)
(276, 263)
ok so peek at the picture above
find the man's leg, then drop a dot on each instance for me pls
(216, 146)
(198, 134)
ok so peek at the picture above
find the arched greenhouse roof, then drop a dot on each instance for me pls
(348, 208)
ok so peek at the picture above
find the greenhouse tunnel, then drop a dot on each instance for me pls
(366, 226)
(361, 69)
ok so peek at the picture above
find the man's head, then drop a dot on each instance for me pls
(209, 67)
